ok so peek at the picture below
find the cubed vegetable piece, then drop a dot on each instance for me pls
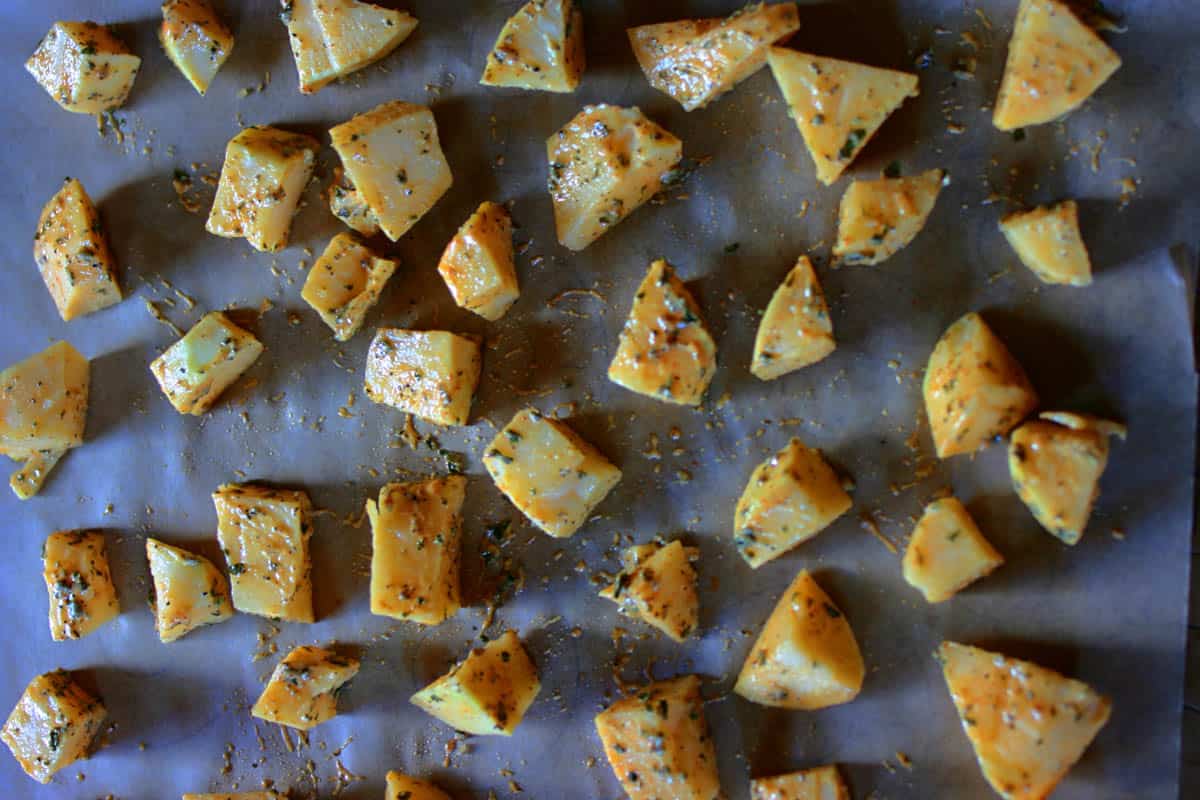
(658, 742)
(790, 498)
(53, 725)
(432, 374)
(540, 47)
(345, 284)
(264, 535)
(348, 205)
(1055, 63)
(195, 39)
(394, 159)
(837, 105)
(795, 330)
(806, 656)
(947, 552)
(194, 371)
(819, 783)
(548, 472)
(478, 266)
(1027, 724)
(974, 389)
(488, 692)
(84, 67)
(657, 584)
(695, 61)
(403, 787)
(79, 583)
(72, 253)
(605, 163)
(303, 689)
(332, 38)
(267, 795)
(189, 592)
(1047, 240)
(877, 218)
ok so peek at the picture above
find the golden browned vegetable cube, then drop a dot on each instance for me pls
(1047, 240)
(332, 38)
(877, 218)
(540, 47)
(347, 204)
(72, 253)
(53, 725)
(403, 787)
(795, 330)
(194, 371)
(478, 266)
(189, 592)
(432, 374)
(302, 692)
(947, 552)
(79, 583)
(195, 39)
(819, 783)
(657, 584)
(84, 67)
(345, 283)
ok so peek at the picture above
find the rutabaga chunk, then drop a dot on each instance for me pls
(605, 163)
(806, 656)
(332, 38)
(877, 218)
(79, 583)
(795, 330)
(432, 374)
(84, 67)
(697, 61)
(1047, 240)
(487, 693)
(658, 742)
(657, 584)
(1027, 724)
(189, 592)
(195, 39)
(53, 725)
(194, 371)
(478, 265)
(404, 787)
(819, 783)
(303, 689)
(548, 472)
(267, 795)
(540, 47)
(72, 253)
(947, 552)
(347, 204)
(345, 283)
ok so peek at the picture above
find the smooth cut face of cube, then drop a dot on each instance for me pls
(877, 218)
(195, 39)
(547, 471)
(795, 330)
(333, 38)
(302, 691)
(194, 371)
(53, 725)
(264, 535)
(478, 265)
(819, 783)
(947, 551)
(79, 583)
(1056, 471)
(540, 47)
(1047, 240)
(393, 156)
(431, 374)
(657, 584)
(72, 254)
(605, 163)
(348, 205)
(345, 283)
(404, 787)
(84, 67)
(189, 592)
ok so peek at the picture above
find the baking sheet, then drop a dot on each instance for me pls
(1110, 611)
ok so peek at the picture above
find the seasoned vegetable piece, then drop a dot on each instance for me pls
(189, 592)
(657, 584)
(478, 266)
(264, 535)
(819, 783)
(547, 471)
(877, 218)
(264, 173)
(267, 795)
(790, 498)
(432, 374)
(195, 39)
(303, 689)
(194, 371)
(806, 656)
(695, 61)
(1027, 724)
(1047, 240)
(487, 693)
(394, 159)
(605, 163)
(347, 204)
(402, 787)
(540, 47)
(1055, 62)
(974, 389)
(658, 742)
(332, 38)
(72, 253)
(84, 67)
(795, 330)
(837, 105)
(345, 284)
(79, 583)
(665, 352)
(53, 725)
(947, 552)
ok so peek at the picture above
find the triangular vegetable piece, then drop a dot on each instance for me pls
(303, 689)
(818, 783)
(879, 217)
(658, 586)
(1047, 240)
(795, 330)
(189, 592)
(478, 265)
(404, 787)
(540, 47)
(333, 38)
(947, 551)
(195, 39)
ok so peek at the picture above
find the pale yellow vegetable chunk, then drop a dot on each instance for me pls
(659, 744)
(540, 47)
(837, 105)
(790, 498)
(195, 39)
(806, 656)
(478, 265)
(72, 253)
(267, 795)
(877, 218)
(974, 389)
(332, 38)
(53, 725)
(264, 535)
(265, 171)
(404, 787)
(345, 283)
(1047, 240)
(394, 159)
(189, 592)
(547, 471)
(1027, 724)
(79, 583)
(947, 551)
(1055, 63)
(795, 330)
(348, 205)
(819, 783)
(604, 163)
(657, 584)
(432, 374)
(194, 371)
(84, 67)
(302, 692)
(488, 692)
(695, 61)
